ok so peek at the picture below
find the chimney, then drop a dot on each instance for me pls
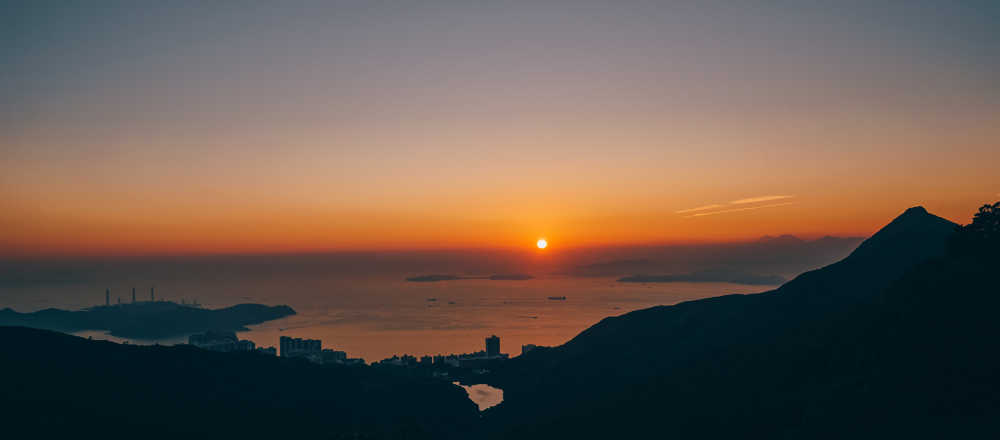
(133, 294)
(152, 297)
(107, 297)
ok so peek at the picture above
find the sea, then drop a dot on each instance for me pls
(375, 317)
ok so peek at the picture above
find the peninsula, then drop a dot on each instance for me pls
(147, 319)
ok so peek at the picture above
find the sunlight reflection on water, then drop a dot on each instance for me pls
(375, 318)
(483, 395)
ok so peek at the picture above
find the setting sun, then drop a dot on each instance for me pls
(542, 243)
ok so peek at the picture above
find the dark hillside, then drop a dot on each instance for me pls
(889, 340)
(57, 385)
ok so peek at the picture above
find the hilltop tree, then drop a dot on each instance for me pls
(980, 238)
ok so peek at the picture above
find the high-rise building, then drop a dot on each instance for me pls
(133, 294)
(492, 346)
(107, 297)
(292, 347)
(152, 298)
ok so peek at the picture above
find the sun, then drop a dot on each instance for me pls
(541, 243)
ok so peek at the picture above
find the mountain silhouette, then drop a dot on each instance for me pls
(785, 239)
(784, 255)
(722, 275)
(828, 354)
(912, 237)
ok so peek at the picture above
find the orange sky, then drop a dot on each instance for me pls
(286, 130)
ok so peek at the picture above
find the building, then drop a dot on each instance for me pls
(220, 341)
(298, 347)
(270, 351)
(527, 347)
(329, 356)
(492, 346)
(354, 361)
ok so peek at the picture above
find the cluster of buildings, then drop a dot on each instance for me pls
(309, 349)
(475, 360)
(226, 342)
(312, 350)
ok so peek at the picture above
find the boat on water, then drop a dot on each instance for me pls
(558, 298)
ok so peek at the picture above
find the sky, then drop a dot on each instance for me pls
(162, 128)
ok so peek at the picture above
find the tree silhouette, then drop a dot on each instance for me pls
(980, 238)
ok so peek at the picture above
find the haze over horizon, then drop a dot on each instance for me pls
(149, 128)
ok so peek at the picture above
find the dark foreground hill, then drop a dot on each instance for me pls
(147, 320)
(898, 339)
(61, 386)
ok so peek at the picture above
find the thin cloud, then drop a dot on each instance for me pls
(758, 199)
(749, 208)
(700, 208)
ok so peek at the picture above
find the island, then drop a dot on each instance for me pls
(511, 277)
(432, 278)
(147, 319)
(497, 277)
(713, 276)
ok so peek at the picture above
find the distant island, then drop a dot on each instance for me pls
(511, 277)
(497, 277)
(719, 276)
(147, 319)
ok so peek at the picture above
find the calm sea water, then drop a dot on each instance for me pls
(376, 317)
(484, 396)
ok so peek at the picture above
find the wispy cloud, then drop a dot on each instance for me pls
(700, 208)
(758, 199)
(748, 208)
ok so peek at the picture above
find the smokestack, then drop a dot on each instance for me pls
(152, 297)
(133, 294)
(107, 297)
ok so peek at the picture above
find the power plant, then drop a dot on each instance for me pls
(152, 296)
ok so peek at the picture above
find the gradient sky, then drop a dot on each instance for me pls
(147, 127)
